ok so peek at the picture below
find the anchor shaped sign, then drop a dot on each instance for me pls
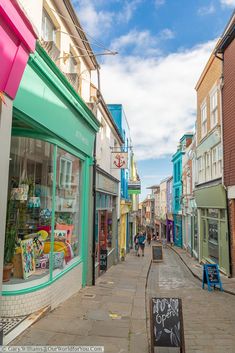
(119, 160)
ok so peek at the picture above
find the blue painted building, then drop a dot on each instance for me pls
(120, 119)
(177, 188)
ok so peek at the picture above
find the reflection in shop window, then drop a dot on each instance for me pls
(204, 229)
(29, 229)
(29, 211)
(67, 211)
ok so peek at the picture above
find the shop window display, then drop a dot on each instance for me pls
(29, 226)
(67, 225)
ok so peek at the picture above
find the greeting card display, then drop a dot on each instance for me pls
(28, 259)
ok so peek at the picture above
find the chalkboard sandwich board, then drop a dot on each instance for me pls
(157, 254)
(103, 259)
(166, 323)
(211, 276)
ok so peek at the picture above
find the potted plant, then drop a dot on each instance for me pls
(9, 250)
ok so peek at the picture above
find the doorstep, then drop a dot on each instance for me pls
(14, 326)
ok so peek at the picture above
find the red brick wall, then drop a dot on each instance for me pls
(232, 233)
(229, 115)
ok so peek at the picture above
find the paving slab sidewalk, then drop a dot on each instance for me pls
(197, 270)
(110, 314)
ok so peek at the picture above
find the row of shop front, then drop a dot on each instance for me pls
(201, 227)
(49, 205)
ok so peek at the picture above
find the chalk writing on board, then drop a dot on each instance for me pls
(157, 253)
(166, 322)
(212, 274)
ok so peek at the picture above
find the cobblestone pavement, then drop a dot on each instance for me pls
(209, 318)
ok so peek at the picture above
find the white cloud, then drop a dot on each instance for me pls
(142, 43)
(229, 3)
(128, 10)
(159, 2)
(95, 22)
(157, 94)
(206, 10)
(166, 34)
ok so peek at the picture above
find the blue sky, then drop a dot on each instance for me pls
(163, 46)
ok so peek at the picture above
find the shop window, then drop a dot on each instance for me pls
(204, 230)
(213, 248)
(222, 214)
(67, 207)
(65, 173)
(29, 227)
(213, 212)
(29, 211)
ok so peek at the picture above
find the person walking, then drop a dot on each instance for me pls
(149, 238)
(136, 242)
(141, 241)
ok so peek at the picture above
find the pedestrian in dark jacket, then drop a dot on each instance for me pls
(142, 241)
(136, 242)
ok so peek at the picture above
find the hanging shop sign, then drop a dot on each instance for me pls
(166, 324)
(134, 187)
(211, 276)
(119, 160)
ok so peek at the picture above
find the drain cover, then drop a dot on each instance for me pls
(9, 323)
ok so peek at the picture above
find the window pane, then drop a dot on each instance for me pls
(67, 210)
(28, 223)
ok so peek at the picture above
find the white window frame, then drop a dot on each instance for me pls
(214, 107)
(72, 64)
(217, 160)
(208, 166)
(46, 24)
(203, 119)
(201, 169)
(65, 175)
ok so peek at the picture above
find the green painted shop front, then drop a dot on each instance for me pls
(52, 144)
(213, 225)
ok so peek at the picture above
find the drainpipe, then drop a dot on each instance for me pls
(94, 213)
(94, 193)
(222, 143)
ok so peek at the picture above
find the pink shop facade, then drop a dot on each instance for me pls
(17, 41)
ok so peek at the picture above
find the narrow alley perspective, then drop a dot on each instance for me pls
(117, 176)
(113, 313)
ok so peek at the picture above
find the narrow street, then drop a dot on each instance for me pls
(209, 318)
(113, 313)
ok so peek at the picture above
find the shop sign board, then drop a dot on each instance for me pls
(134, 187)
(119, 160)
(103, 183)
(103, 259)
(157, 253)
(211, 276)
(166, 324)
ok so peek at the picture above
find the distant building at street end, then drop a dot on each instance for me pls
(185, 141)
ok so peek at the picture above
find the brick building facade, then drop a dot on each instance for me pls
(227, 50)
